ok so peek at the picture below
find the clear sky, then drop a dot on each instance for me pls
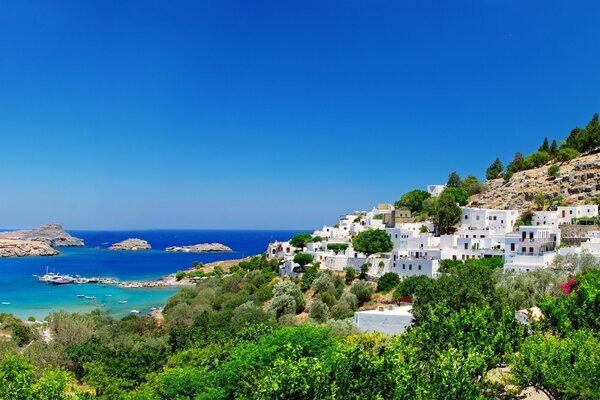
(274, 114)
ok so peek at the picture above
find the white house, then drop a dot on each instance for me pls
(545, 218)
(566, 215)
(501, 221)
(531, 247)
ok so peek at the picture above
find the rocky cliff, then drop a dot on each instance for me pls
(50, 234)
(578, 182)
(201, 248)
(25, 248)
(131, 245)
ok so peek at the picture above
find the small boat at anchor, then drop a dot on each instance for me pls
(123, 302)
(135, 311)
(80, 296)
(6, 303)
(90, 297)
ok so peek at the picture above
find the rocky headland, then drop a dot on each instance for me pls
(51, 234)
(201, 248)
(131, 245)
(25, 248)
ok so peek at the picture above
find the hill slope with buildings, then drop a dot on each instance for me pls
(577, 183)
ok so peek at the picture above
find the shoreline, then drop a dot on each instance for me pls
(170, 280)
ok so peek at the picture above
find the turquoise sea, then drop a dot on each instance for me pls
(28, 297)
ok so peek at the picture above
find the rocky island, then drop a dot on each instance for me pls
(25, 248)
(52, 235)
(201, 248)
(131, 245)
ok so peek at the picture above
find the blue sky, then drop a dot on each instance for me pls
(274, 114)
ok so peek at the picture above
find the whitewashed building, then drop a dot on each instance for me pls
(501, 221)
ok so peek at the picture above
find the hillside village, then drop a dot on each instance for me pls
(524, 214)
(417, 250)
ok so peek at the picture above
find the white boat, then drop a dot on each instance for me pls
(80, 296)
(90, 297)
(135, 311)
(79, 279)
(6, 303)
(108, 295)
(123, 302)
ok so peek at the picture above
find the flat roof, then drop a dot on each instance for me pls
(397, 310)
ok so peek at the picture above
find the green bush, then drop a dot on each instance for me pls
(554, 170)
(387, 282)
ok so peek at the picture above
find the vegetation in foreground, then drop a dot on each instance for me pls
(250, 335)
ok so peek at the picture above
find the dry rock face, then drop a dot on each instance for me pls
(201, 248)
(51, 234)
(578, 182)
(131, 245)
(25, 248)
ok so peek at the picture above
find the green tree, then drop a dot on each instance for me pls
(319, 311)
(544, 147)
(373, 241)
(387, 282)
(536, 160)
(494, 169)
(362, 290)
(412, 200)
(423, 229)
(566, 154)
(350, 275)
(562, 367)
(540, 201)
(337, 247)
(585, 139)
(447, 214)
(516, 164)
(507, 175)
(454, 180)
(554, 170)
(303, 259)
(472, 185)
(460, 195)
(553, 148)
(300, 240)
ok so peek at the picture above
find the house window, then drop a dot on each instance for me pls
(466, 217)
(495, 218)
(477, 218)
(524, 249)
(396, 236)
(410, 267)
(512, 247)
(466, 246)
(419, 267)
(394, 257)
(531, 249)
(403, 266)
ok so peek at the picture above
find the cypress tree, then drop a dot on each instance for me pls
(553, 148)
(544, 146)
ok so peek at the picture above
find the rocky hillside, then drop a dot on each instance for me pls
(578, 182)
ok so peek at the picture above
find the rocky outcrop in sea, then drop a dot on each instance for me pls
(201, 248)
(25, 248)
(51, 234)
(131, 245)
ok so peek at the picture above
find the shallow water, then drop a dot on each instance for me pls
(28, 297)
